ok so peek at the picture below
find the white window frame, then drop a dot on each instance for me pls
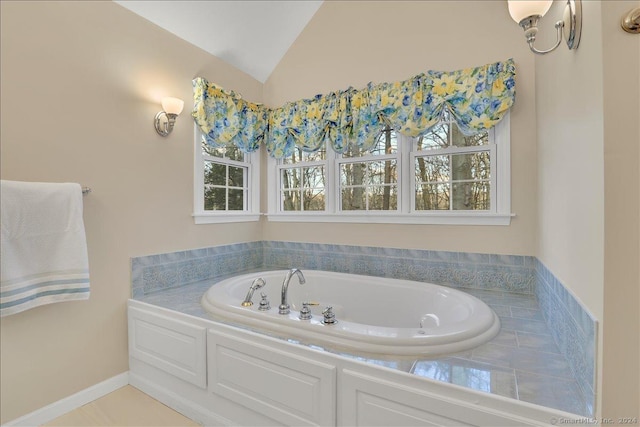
(368, 158)
(299, 165)
(499, 214)
(252, 163)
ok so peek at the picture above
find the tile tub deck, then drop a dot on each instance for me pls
(522, 362)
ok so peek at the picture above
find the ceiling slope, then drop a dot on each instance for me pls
(251, 35)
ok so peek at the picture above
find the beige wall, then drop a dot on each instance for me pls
(81, 83)
(570, 158)
(352, 43)
(587, 119)
(621, 328)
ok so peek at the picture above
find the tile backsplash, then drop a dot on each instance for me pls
(455, 269)
(573, 328)
(165, 271)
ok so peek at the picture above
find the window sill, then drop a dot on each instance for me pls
(221, 218)
(450, 218)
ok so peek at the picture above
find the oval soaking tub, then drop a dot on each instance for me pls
(374, 315)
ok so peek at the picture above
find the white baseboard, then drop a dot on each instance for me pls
(61, 407)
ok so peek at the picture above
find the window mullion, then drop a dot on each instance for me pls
(332, 190)
(406, 183)
(454, 150)
(493, 192)
(226, 188)
(198, 167)
(450, 183)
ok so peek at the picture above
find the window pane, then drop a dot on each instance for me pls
(352, 173)
(291, 178)
(214, 199)
(234, 153)
(236, 176)
(382, 172)
(313, 199)
(229, 151)
(236, 199)
(459, 140)
(386, 143)
(354, 199)
(432, 169)
(383, 198)
(313, 177)
(432, 197)
(215, 173)
(437, 137)
(472, 166)
(291, 200)
(354, 152)
(208, 150)
(302, 156)
(471, 196)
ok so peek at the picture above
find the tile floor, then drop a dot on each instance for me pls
(126, 406)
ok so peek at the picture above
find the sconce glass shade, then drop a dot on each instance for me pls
(521, 9)
(166, 119)
(172, 105)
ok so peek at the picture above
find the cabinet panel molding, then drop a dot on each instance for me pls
(176, 347)
(371, 401)
(286, 387)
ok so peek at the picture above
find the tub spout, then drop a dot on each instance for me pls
(284, 305)
(257, 284)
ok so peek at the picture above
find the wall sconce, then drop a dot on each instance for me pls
(631, 21)
(165, 119)
(527, 13)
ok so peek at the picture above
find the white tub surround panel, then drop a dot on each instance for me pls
(168, 344)
(255, 379)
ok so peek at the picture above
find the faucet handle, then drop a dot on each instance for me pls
(305, 312)
(329, 316)
(264, 302)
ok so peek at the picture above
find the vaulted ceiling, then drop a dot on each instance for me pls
(251, 35)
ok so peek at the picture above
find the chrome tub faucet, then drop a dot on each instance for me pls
(284, 305)
(257, 284)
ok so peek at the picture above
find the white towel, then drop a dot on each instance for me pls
(43, 246)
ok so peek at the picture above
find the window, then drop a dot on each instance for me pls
(369, 180)
(302, 178)
(226, 186)
(453, 171)
(440, 177)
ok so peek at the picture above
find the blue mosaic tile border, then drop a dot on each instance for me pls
(165, 271)
(572, 327)
(456, 269)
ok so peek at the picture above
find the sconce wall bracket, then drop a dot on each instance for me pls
(572, 23)
(631, 21)
(570, 27)
(164, 123)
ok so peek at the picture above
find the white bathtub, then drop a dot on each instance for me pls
(375, 315)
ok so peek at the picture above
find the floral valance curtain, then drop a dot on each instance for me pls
(224, 117)
(477, 98)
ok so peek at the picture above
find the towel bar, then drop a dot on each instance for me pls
(86, 190)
